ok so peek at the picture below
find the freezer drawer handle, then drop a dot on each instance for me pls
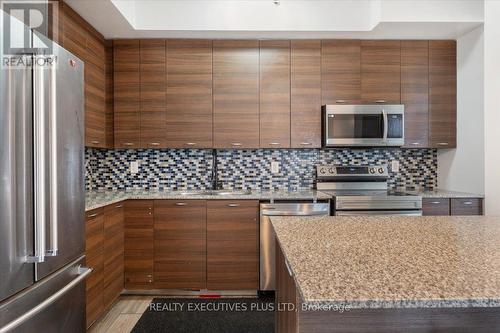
(83, 272)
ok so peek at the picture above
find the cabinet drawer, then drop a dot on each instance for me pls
(466, 206)
(436, 206)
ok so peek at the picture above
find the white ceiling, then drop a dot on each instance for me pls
(410, 19)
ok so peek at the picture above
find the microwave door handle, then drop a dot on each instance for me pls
(386, 123)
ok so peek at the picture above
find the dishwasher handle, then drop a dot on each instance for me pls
(285, 213)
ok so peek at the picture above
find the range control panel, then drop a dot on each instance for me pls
(329, 171)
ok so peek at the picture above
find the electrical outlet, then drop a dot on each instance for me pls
(275, 167)
(134, 167)
(395, 166)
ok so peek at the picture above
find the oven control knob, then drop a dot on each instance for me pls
(372, 170)
(322, 171)
(331, 170)
(380, 170)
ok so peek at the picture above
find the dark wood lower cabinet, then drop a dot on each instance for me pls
(232, 245)
(453, 206)
(139, 223)
(435, 206)
(94, 251)
(466, 206)
(286, 293)
(180, 245)
(104, 254)
(113, 252)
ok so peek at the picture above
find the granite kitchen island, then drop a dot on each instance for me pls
(388, 274)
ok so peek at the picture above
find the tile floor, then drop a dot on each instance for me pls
(123, 316)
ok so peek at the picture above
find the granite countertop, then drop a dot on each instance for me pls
(393, 262)
(439, 193)
(95, 200)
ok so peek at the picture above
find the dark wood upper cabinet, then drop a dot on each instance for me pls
(381, 71)
(153, 93)
(127, 54)
(415, 91)
(180, 244)
(442, 93)
(189, 94)
(305, 93)
(274, 94)
(139, 244)
(109, 93)
(236, 93)
(127, 93)
(341, 71)
(232, 245)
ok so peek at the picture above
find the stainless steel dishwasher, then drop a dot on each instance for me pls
(267, 238)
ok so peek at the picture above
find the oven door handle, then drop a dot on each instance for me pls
(386, 124)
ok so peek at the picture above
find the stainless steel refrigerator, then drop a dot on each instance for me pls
(42, 228)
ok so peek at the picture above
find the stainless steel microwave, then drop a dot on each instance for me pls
(363, 125)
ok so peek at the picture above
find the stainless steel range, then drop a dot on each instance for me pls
(363, 190)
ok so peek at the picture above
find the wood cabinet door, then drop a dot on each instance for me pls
(415, 92)
(127, 94)
(305, 93)
(286, 293)
(94, 252)
(274, 94)
(139, 222)
(466, 206)
(236, 93)
(340, 71)
(180, 244)
(114, 251)
(189, 93)
(232, 245)
(436, 206)
(109, 96)
(95, 106)
(153, 93)
(381, 71)
(442, 93)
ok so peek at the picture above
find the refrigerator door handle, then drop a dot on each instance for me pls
(52, 103)
(82, 272)
(39, 144)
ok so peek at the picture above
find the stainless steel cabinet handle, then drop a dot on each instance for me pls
(306, 143)
(415, 143)
(154, 143)
(128, 144)
(274, 143)
(288, 268)
(340, 101)
(95, 142)
(236, 144)
(118, 206)
(191, 143)
(467, 202)
(233, 205)
(442, 143)
(83, 272)
(435, 202)
(380, 101)
(181, 204)
(92, 215)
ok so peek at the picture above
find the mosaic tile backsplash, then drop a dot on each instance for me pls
(191, 169)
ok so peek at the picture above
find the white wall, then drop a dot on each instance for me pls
(462, 169)
(492, 106)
